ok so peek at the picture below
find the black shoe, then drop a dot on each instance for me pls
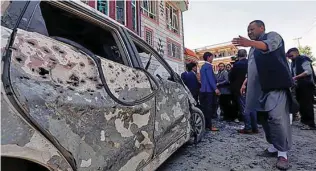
(266, 153)
(244, 131)
(255, 131)
(312, 125)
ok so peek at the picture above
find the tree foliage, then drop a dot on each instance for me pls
(307, 51)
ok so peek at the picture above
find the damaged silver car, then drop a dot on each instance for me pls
(81, 92)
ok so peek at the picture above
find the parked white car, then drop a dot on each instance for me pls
(75, 94)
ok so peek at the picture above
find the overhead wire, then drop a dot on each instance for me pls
(310, 29)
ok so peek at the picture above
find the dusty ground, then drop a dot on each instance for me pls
(229, 151)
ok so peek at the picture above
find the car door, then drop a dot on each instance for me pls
(172, 105)
(77, 94)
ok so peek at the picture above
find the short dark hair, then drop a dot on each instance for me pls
(292, 50)
(193, 64)
(242, 53)
(190, 66)
(187, 66)
(206, 55)
(259, 23)
(221, 64)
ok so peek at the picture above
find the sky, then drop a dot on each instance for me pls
(212, 22)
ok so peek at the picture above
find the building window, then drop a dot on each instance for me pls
(103, 6)
(174, 50)
(172, 18)
(149, 36)
(226, 53)
(148, 8)
(221, 54)
(134, 15)
(120, 12)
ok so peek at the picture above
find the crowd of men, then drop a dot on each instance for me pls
(261, 89)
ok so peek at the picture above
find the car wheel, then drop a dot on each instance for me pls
(197, 125)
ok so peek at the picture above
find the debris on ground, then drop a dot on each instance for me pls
(227, 150)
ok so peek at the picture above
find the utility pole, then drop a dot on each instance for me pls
(298, 41)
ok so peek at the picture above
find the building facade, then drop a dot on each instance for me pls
(223, 53)
(159, 23)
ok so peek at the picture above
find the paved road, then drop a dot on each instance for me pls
(229, 151)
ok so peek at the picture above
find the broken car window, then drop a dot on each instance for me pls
(4, 6)
(32, 19)
(48, 20)
(155, 67)
(63, 24)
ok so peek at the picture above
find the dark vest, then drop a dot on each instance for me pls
(273, 69)
(299, 69)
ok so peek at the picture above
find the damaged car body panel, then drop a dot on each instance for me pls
(5, 36)
(21, 140)
(83, 106)
(171, 121)
(165, 154)
(172, 104)
(62, 91)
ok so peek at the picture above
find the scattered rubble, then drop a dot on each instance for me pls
(229, 151)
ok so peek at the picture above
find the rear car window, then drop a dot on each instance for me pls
(32, 19)
(4, 6)
(48, 20)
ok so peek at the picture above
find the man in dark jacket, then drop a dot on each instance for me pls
(191, 81)
(225, 99)
(303, 74)
(237, 77)
(184, 74)
(268, 82)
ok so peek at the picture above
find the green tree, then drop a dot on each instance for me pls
(307, 50)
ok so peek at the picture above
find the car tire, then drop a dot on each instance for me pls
(197, 125)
